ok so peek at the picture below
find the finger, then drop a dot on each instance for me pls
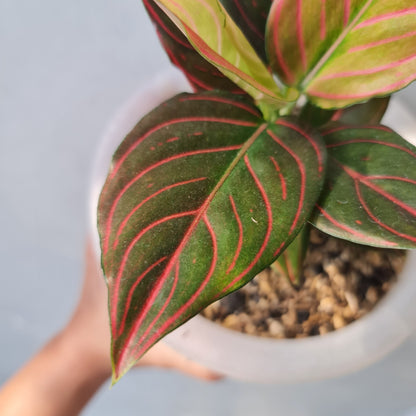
(162, 355)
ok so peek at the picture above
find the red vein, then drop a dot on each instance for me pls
(355, 233)
(308, 138)
(171, 320)
(377, 220)
(169, 123)
(390, 197)
(281, 177)
(223, 101)
(240, 236)
(349, 127)
(302, 175)
(388, 16)
(369, 71)
(323, 20)
(268, 231)
(397, 178)
(147, 170)
(131, 292)
(347, 11)
(172, 139)
(136, 327)
(279, 249)
(381, 42)
(137, 207)
(156, 17)
(116, 287)
(196, 82)
(337, 115)
(184, 12)
(381, 90)
(275, 27)
(299, 34)
(200, 213)
(354, 141)
(327, 55)
(217, 23)
(213, 56)
(358, 177)
(248, 20)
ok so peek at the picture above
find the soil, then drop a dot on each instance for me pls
(342, 282)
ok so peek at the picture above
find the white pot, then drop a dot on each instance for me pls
(257, 359)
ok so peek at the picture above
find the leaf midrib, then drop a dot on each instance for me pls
(327, 55)
(201, 211)
(216, 189)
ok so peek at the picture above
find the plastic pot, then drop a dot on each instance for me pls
(257, 359)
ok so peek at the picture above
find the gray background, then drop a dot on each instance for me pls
(65, 68)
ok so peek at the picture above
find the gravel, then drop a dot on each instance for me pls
(342, 282)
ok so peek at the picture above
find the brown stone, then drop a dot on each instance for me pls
(342, 282)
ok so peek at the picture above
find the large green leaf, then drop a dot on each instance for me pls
(214, 34)
(370, 196)
(200, 73)
(343, 51)
(201, 196)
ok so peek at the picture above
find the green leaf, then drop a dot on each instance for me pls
(370, 112)
(201, 74)
(250, 17)
(315, 116)
(213, 33)
(201, 196)
(290, 263)
(370, 194)
(341, 52)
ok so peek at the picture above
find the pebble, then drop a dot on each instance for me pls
(348, 313)
(352, 301)
(330, 268)
(340, 281)
(276, 328)
(329, 299)
(371, 295)
(327, 305)
(338, 321)
(324, 329)
(233, 322)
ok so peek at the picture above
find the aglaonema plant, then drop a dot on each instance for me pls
(281, 134)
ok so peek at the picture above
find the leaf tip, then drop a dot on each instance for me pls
(119, 371)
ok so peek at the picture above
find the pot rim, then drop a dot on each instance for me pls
(349, 349)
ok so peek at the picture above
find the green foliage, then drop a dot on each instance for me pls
(210, 188)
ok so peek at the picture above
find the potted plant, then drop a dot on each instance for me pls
(212, 187)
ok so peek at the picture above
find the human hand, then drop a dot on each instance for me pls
(88, 331)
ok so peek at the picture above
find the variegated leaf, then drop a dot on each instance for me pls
(200, 73)
(340, 52)
(201, 196)
(213, 33)
(370, 195)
